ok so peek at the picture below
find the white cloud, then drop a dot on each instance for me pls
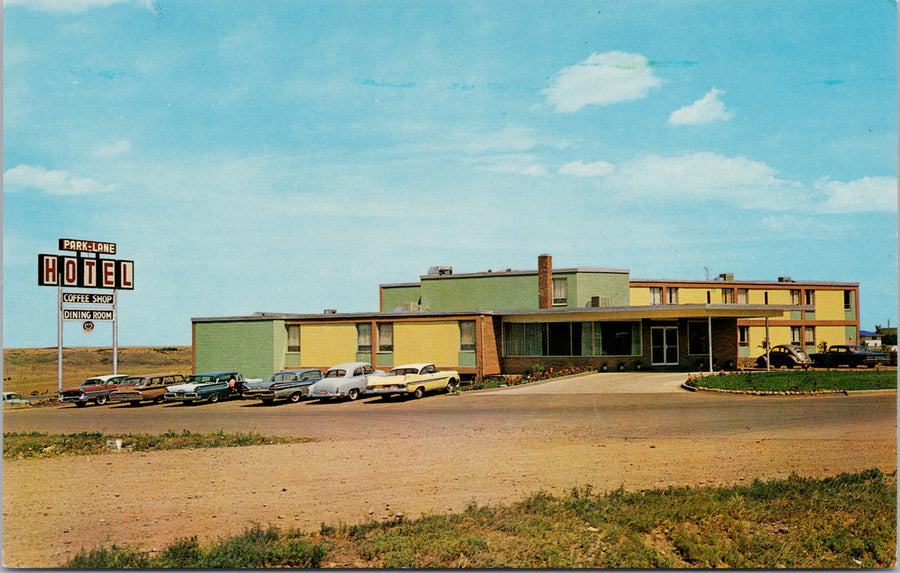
(860, 196)
(524, 164)
(704, 110)
(705, 176)
(74, 5)
(602, 79)
(53, 182)
(114, 149)
(580, 169)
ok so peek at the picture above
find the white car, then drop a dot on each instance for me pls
(414, 379)
(13, 399)
(344, 381)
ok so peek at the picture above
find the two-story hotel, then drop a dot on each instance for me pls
(504, 322)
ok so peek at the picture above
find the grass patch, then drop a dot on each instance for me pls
(846, 521)
(801, 381)
(40, 445)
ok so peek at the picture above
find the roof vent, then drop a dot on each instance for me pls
(785, 280)
(330, 311)
(440, 271)
(726, 277)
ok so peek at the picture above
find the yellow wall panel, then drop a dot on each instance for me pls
(830, 305)
(436, 342)
(696, 295)
(777, 335)
(831, 334)
(325, 345)
(639, 296)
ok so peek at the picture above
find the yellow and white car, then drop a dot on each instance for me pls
(414, 379)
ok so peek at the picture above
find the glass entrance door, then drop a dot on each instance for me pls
(664, 345)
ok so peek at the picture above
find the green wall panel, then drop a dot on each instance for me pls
(254, 348)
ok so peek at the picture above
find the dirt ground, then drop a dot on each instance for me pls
(375, 459)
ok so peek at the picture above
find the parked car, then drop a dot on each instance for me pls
(852, 355)
(344, 380)
(413, 379)
(212, 387)
(787, 355)
(94, 389)
(13, 399)
(147, 387)
(291, 385)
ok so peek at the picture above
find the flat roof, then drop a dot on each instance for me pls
(666, 311)
(717, 282)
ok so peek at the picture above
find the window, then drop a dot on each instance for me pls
(363, 337)
(698, 338)
(385, 337)
(656, 295)
(848, 300)
(795, 335)
(810, 298)
(728, 296)
(572, 339)
(560, 292)
(795, 297)
(672, 295)
(810, 336)
(742, 296)
(293, 338)
(743, 336)
(467, 336)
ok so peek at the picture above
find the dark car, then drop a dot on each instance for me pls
(787, 355)
(852, 355)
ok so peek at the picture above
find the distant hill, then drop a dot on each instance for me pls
(33, 371)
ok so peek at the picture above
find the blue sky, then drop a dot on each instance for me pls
(290, 156)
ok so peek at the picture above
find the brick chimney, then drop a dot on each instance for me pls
(545, 281)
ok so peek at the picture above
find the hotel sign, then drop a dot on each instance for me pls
(86, 265)
(83, 271)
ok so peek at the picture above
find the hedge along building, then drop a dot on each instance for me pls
(488, 323)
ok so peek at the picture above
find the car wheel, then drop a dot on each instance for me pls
(450, 387)
(135, 402)
(81, 404)
(101, 400)
(295, 397)
(353, 394)
(159, 399)
(213, 398)
(419, 392)
(267, 401)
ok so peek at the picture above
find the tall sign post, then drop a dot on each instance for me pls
(83, 271)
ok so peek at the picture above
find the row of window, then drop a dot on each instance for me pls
(798, 296)
(385, 337)
(801, 336)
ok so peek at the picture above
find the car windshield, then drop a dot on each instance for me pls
(403, 371)
(335, 374)
(200, 378)
(92, 382)
(132, 382)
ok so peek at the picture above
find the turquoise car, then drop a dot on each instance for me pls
(210, 387)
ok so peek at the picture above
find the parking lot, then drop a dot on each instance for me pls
(373, 458)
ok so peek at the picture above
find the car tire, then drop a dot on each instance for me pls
(353, 394)
(135, 402)
(267, 401)
(101, 400)
(419, 392)
(81, 404)
(450, 387)
(213, 398)
(295, 397)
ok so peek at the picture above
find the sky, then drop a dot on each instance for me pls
(292, 155)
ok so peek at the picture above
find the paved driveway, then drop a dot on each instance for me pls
(604, 383)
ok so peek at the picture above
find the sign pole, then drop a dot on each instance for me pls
(59, 339)
(115, 333)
